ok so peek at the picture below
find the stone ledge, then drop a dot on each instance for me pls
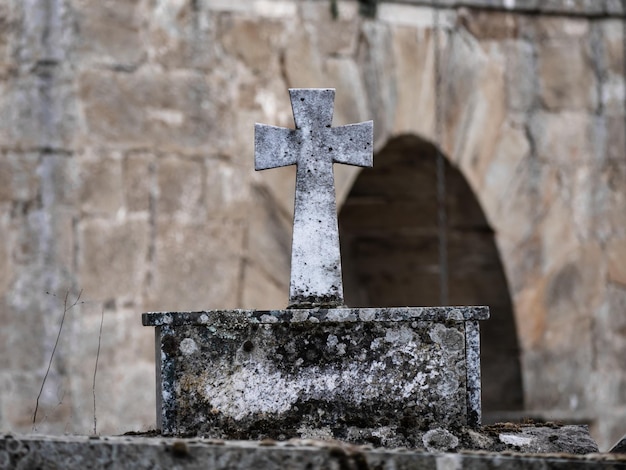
(74, 452)
(319, 315)
(594, 8)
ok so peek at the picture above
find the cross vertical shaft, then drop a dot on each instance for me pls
(313, 146)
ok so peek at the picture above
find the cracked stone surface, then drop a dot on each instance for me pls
(360, 375)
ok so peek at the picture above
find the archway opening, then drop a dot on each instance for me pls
(389, 235)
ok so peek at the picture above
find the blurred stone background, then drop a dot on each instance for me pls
(126, 171)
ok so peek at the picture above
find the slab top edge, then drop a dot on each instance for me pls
(316, 315)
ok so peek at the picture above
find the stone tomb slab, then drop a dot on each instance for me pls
(378, 375)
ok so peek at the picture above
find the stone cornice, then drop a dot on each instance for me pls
(586, 8)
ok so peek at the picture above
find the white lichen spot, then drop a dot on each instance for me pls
(300, 316)
(448, 384)
(374, 345)
(308, 432)
(367, 314)
(332, 341)
(330, 381)
(455, 314)
(268, 318)
(439, 440)
(377, 366)
(341, 314)
(384, 431)
(513, 440)
(341, 349)
(417, 384)
(188, 346)
(259, 390)
(204, 319)
(450, 339)
(265, 390)
(399, 336)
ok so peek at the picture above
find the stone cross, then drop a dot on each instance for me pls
(313, 146)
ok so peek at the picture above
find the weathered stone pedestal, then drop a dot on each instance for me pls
(383, 376)
(369, 375)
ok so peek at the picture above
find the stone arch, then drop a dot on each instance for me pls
(389, 237)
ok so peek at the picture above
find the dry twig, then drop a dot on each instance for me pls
(56, 343)
(95, 371)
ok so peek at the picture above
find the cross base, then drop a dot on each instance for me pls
(359, 375)
(309, 302)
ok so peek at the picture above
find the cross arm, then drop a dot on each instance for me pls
(274, 147)
(354, 144)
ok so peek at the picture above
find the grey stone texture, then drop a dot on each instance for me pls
(379, 376)
(127, 171)
(314, 146)
(47, 453)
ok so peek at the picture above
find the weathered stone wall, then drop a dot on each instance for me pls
(52, 452)
(126, 170)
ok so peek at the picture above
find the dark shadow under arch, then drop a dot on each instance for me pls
(389, 238)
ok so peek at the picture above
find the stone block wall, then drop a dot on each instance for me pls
(126, 171)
